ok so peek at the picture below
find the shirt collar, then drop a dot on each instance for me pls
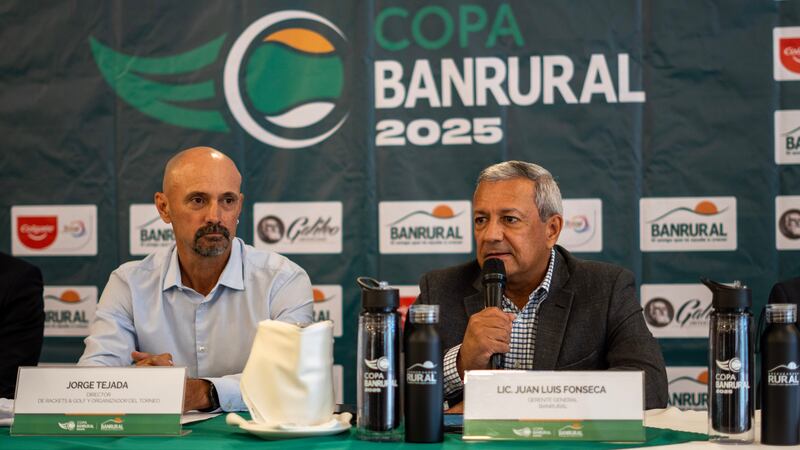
(544, 286)
(232, 276)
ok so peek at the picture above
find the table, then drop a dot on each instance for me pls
(216, 434)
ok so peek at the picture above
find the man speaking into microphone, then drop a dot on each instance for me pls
(556, 312)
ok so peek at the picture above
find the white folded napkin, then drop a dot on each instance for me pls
(288, 379)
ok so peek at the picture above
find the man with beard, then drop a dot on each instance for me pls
(198, 303)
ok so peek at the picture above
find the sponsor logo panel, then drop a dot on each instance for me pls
(688, 387)
(54, 230)
(69, 310)
(583, 225)
(328, 305)
(786, 53)
(676, 310)
(147, 232)
(787, 137)
(787, 222)
(298, 227)
(687, 224)
(425, 227)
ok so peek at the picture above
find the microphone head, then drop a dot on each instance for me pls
(494, 271)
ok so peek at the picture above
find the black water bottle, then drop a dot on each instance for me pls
(378, 394)
(730, 394)
(780, 372)
(423, 389)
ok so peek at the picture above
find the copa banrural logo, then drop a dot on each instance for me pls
(417, 70)
(284, 80)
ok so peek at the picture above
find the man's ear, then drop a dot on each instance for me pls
(162, 205)
(553, 227)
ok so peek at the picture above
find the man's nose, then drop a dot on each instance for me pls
(213, 212)
(493, 231)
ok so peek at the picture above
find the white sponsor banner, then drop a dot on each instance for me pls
(425, 227)
(338, 386)
(298, 227)
(328, 305)
(54, 230)
(786, 53)
(583, 225)
(688, 387)
(787, 222)
(147, 232)
(687, 224)
(676, 310)
(69, 310)
(787, 136)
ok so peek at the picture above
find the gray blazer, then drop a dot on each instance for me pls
(590, 320)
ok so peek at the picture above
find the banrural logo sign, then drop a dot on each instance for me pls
(687, 224)
(284, 80)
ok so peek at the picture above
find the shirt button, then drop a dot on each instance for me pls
(201, 349)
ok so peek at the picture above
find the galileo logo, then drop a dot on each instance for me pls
(284, 80)
(687, 224)
(55, 230)
(688, 387)
(147, 232)
(115, 424)
(786, 53)
(298, 227)
(784, 375)
(328, 305)
(574, 430)
(659, 312)
(787, 222)
(425, 227)
(583, 225)
(676, 310)
(787, 136)
(69, 310)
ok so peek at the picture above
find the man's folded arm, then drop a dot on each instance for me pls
(631, 346)
(291, 298)
(112, 336)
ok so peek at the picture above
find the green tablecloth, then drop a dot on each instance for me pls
(216, 434)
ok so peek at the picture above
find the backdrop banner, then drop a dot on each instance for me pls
(360, 126)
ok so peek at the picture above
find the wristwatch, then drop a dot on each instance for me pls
(213, 397)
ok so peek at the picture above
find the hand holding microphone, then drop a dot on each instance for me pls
(489, 331)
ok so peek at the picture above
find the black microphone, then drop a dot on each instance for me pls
(493, 277)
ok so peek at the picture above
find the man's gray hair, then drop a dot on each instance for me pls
(547, 196)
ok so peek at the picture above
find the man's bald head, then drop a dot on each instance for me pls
(197, 160)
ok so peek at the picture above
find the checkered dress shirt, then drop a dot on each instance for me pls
(523, 334)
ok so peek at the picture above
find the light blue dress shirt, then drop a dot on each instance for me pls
(146, 307)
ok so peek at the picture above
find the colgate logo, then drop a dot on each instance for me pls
(37, 232)
(790, 54)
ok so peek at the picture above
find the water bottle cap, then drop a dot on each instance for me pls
(378, 295)
(424, 314)
(735, 296)
(781, 313)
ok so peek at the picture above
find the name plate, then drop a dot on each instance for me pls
(549, 405)
(97, 401)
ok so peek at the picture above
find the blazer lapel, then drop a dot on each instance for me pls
(553, 315)
(474, 303)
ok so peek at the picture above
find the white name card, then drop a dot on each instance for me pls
(99, 400)
(549, 405)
